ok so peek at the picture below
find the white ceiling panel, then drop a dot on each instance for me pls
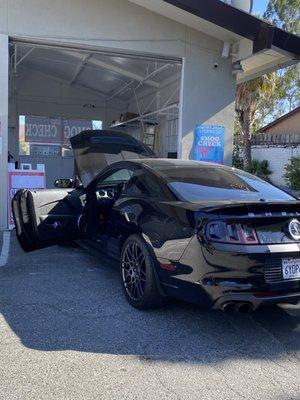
(106, 73)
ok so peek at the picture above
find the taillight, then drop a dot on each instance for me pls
(231, 232)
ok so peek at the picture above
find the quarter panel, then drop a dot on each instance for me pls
(167, 229)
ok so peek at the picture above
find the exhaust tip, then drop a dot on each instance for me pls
(245, 308)
(228, 307)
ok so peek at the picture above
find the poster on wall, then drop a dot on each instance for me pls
(23, 179)
(209, 143)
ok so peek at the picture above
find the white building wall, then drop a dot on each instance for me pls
(277, 157)
(208, 93)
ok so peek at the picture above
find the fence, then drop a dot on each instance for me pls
(273, 139)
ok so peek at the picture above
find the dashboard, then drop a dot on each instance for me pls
(109, 193)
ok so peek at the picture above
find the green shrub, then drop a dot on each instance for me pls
(237, 161)
(260, 169)
(292, 173)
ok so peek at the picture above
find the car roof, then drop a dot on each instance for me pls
(169, 162)
(157, 165)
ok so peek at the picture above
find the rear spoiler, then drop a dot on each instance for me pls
(255, 209)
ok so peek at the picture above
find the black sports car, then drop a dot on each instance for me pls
(201, 232)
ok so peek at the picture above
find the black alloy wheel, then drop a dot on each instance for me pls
(137, 274)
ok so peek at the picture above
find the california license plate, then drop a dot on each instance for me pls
(291, 268)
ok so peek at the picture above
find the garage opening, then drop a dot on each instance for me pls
(58, 91)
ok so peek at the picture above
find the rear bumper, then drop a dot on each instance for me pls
(221, 273)
(255, 300)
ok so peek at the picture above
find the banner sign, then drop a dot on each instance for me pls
(56, 131)
(42, 130)
(23, 179)
(209, 143)
(72, 128)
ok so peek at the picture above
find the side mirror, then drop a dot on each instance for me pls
(64, 183)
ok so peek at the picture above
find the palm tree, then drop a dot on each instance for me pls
(247, 99)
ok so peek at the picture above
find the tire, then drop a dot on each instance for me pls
(138, 278)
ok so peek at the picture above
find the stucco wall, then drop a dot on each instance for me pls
(278, 157)
(208, 93)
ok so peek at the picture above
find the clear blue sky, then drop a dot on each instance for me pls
(260, 6)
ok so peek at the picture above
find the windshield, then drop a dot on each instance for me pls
(209, 182)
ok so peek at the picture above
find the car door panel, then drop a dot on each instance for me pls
(46, 217)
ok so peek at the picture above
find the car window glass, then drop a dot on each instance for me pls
(142, 184)
(121, 175)
(136, 186)
(218, 183)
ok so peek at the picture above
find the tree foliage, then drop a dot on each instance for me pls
(284, 14)
(267, 98)
(248, 96)
(285, 98)
(292, 173)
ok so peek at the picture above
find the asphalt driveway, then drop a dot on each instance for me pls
(66, 332)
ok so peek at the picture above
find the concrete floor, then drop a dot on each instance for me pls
(66, 332)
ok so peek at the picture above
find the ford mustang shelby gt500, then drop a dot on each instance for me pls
(201, 232)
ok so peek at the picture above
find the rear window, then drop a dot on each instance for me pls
(218, 183)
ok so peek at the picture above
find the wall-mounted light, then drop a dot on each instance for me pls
(237, 68)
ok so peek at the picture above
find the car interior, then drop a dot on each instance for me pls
(101, 199)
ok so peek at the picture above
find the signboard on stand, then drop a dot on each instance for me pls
(209, 143)
(26, 178)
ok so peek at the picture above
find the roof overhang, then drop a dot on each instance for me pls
(260, 46)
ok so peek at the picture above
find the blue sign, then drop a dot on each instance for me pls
(209, 143)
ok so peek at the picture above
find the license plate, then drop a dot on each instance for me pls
(291, 268)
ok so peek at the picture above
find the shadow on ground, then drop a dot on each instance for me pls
(64, 299)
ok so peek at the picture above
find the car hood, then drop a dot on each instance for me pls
(95, 150)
